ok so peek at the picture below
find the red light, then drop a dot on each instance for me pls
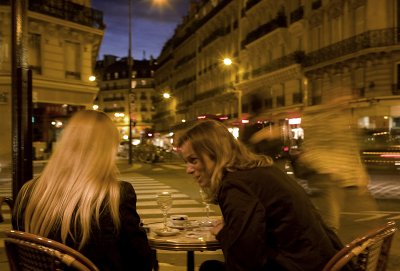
(390, 155)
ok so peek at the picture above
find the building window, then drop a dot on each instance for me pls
(72, 60)
(316, 37)
(359, 20)
(34, 53)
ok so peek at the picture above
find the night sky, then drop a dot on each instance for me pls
(152, 25)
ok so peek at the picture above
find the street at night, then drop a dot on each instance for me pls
(148, 179)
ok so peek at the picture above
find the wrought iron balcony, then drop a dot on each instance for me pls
(69, 11)
(296, 57)
(262, 30)
(297, 14)
(366, 40)
(251, 3)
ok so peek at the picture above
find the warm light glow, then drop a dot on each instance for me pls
(183, 120)
(57, 123)
(118, 115)
(227, 61)
(95, 107)
(160, 4)
(295, 121)
(125, 137)
(245, 121)
(234, 131)
(166, 95)
(92, 78)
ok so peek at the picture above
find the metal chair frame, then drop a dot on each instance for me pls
(369, 252)
(26, 251)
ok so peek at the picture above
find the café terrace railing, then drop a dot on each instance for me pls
(366, 40)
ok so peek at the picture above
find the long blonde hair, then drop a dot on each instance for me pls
(211, 138)
(78, 183)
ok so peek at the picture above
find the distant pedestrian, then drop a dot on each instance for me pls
(78, 200)
(269, 223)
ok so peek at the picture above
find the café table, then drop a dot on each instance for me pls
(196, 239)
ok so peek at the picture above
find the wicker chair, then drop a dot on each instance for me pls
(9, 203)
(26, 251)
(368, 252)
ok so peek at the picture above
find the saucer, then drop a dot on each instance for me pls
(191, 224)
(170, 232)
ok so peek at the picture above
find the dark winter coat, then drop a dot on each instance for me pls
(109, 251)
(270, 224)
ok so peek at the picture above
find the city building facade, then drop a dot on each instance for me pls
(121, 96)
(288, 56)
(63, 41)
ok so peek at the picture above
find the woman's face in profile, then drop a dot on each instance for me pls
(201, 168)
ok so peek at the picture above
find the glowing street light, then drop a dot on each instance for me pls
(227, 61)
(166, 95)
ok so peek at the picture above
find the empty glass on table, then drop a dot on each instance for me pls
(207, 222)
(164, 201)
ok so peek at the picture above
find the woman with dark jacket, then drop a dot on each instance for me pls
(78, 200)
(268, 221)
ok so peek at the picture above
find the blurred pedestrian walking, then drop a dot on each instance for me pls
(329, 160)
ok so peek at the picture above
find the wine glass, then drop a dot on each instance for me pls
(206, 222)
(164, 201)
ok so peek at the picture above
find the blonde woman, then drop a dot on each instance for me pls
(79, 201)
(268, 221)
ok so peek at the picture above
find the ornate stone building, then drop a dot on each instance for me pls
(115, 93)
(288, 56)
(63, 42)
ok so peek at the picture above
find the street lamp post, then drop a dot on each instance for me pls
(228, 62)
(130, 64)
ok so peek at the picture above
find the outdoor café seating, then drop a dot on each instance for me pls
(368, 252)
(26, 251)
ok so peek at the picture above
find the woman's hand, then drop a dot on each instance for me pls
(219, 224)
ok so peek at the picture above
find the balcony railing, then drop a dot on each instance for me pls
(69, 11)
(72, 75)
(297, 14)
(262, 30)
(251, 3)
(366, 40)
(113, 99)
(280, 63)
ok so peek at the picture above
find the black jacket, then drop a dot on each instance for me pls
(270, 224)
(109, 251)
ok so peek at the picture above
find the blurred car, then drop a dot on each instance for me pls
(380, 150)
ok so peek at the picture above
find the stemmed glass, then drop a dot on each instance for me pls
(164, 201)
(207, 221)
